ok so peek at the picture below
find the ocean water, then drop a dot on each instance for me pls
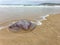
(23, 12)
(37, 13)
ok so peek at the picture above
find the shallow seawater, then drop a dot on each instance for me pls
(15, 13)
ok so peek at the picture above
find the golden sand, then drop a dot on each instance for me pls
(46, 34)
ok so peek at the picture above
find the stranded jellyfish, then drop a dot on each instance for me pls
(22, 25)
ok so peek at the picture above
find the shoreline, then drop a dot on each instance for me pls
(46, 34)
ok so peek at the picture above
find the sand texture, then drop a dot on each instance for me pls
(46, 34)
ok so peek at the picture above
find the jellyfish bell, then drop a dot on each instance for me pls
(14, 27)
(22, 25)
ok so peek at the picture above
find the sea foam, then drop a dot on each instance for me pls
(38, 21)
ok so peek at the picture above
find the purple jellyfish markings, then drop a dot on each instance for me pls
(22, 24)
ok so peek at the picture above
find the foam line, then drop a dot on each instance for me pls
(39, 20)
(2, 27)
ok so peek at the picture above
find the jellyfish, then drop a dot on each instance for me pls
(22, 24)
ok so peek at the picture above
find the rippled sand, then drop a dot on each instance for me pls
(46, 34)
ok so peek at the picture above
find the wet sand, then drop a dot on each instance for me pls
(46, 34)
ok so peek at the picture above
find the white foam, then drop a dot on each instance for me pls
(2, 27)
(44, 17)
(38, 21)
(28, 6)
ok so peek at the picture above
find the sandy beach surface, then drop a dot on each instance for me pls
(46, 34)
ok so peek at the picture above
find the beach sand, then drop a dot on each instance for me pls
(46, 34)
